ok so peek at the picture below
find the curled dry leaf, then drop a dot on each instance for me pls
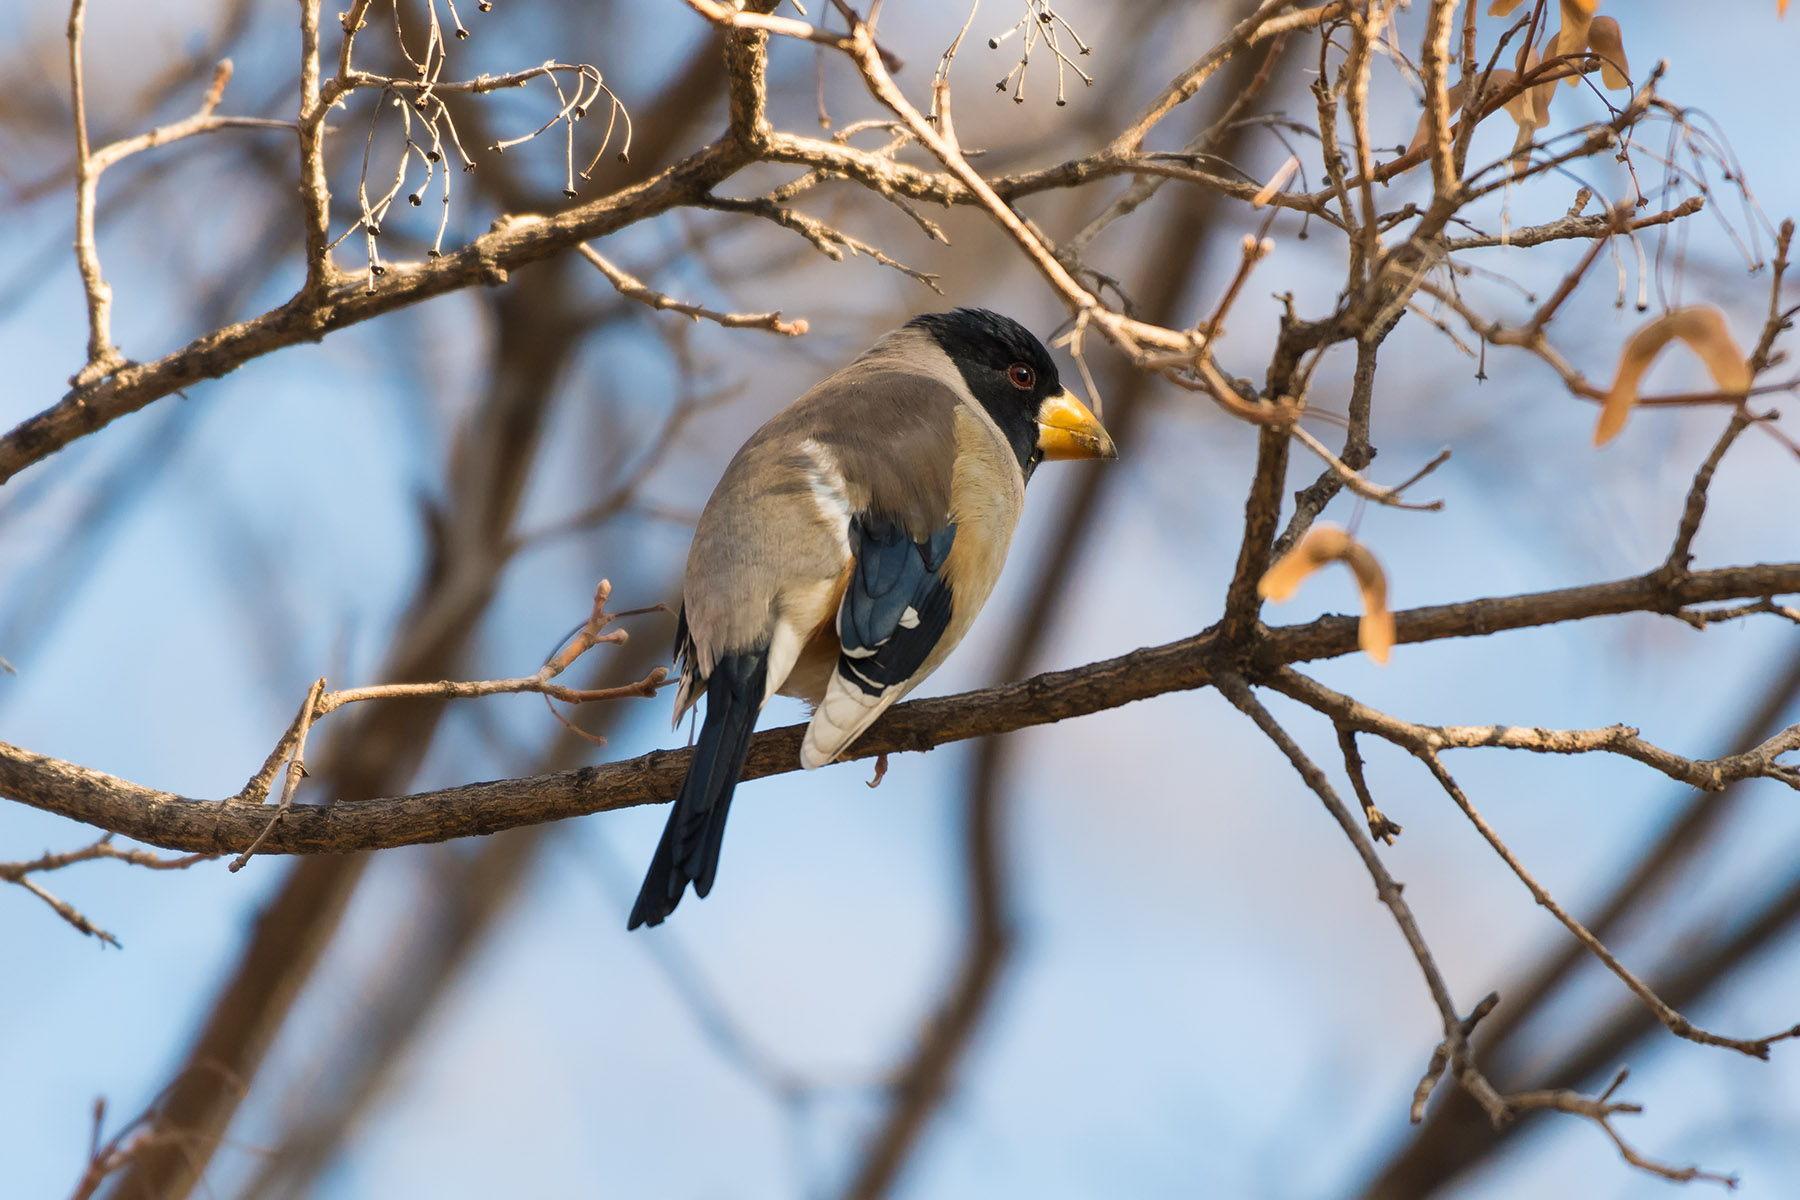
(1572, 38)
(1520, 107)
(1605, 39)
(1520, 159)
(1702, 328)
(1454, 97)
(1533, 104)
(1500, 8)
(1326, 544)
(1322, 544)
(1530, 109)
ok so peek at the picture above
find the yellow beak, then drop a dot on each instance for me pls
(1066, 429)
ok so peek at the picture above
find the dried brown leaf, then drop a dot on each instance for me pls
(1520, 107)
(1500, 8)
(1499, 80)
(1375, 632)
(1572, 38)
(1702, 328)
(1606, 40)
(1454, 95)
(1530, 109)
(1322, 544)
(1520, 159)
(1532, 106)
(1325, 544)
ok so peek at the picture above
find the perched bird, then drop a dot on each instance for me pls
(848, 548)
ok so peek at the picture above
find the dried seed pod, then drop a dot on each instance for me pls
(1704, 329)
(1326, 544)
(1572, 38)
(1606, 40)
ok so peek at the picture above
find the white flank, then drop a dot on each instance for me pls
(784, 651)
(829, 492)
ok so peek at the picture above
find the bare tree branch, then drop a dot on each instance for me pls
(177, 823)
(21, 872)
(634, 288)
(424, 118)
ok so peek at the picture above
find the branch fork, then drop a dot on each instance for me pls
(291, 748)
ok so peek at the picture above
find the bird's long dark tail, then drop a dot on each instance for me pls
(689, 850)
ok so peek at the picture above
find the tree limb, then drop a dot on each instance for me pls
(179, 823)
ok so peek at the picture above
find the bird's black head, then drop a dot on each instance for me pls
(1006, 368)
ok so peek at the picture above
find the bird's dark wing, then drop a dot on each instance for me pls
(897, 603)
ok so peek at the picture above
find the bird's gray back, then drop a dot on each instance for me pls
(876, 436)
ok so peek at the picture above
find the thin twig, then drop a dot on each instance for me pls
(1455, 1046)
(20, 873)
(1680, 553)
(1425, 743)
(319, 702)
(634, 288)
(1369, 491)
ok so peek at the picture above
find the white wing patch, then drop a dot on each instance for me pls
(829, 491)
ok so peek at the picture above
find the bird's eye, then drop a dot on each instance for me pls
(1021, 376)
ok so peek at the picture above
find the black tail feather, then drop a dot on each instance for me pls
(689, 849)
